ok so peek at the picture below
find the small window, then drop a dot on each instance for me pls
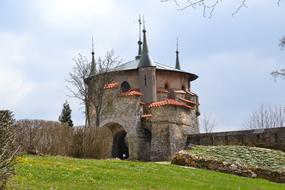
(166, 86)
(183, 87)
(125, 86)
(171, 95)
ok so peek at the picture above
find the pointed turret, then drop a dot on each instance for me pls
(145, 60)
(93, 63)
(147, 73)
(177, 64)
(140, 40)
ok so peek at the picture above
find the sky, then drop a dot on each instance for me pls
(232, 55)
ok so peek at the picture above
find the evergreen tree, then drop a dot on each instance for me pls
(8, 146)
(65, 116)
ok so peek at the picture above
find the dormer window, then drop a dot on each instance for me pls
(125, 86)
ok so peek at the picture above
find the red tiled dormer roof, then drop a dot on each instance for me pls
(111, 85)
(146, 116)
(188, 101)
(131, 92)
(179, 91)
(162, 90)
(191, 93)
(168, 102)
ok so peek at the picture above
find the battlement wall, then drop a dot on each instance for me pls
(273, 138)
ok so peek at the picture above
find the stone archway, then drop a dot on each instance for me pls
(120, 147)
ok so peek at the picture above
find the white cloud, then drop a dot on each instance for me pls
(76, 11)
(14, 87)
(13, 48)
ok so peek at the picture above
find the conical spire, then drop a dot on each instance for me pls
(145, 60)
(140, 40)
(177, 64)
(93, 63)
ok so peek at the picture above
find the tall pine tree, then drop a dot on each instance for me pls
(65, 116)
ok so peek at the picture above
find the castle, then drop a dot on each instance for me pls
(153, 109)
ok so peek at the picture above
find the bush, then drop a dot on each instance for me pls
(54, 138)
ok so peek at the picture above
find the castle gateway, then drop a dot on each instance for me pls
(152, 111)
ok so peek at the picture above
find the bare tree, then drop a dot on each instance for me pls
(8, 146)
(78, 88)
(208, 123)
(101, 76)
(266, 117)
(98, 75)
(281, 72)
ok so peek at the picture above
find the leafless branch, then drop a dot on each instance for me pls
(208, 123)
(280, 73)
(207, 6)
(78, 88)
(241, 6)
(282, 42)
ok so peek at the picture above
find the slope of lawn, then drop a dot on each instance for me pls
(34, 172)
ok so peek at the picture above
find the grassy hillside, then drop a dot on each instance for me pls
(67, 173)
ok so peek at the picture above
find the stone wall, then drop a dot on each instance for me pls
(273, 138)
(169, 126)
(132, 77)
(175, 80)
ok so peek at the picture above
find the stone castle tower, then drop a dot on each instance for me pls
(153, 110)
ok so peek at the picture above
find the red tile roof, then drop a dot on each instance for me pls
(179, 91)
(162, 90)
(131, 92)
(168, 102)
(188, 101)
(145, 116)
(111, 85)
(191, 93)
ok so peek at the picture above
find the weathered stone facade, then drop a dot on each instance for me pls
(152, 110)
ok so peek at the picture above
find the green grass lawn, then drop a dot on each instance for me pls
(60, 173)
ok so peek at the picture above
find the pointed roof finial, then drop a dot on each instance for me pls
(93, 63)
(140, 41)
(177, 65)
(144, 25)
(145, 60)
(92, 46)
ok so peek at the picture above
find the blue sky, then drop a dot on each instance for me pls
(233, 56)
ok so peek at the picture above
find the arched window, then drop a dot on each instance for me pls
(166, 86)
(125, 86)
